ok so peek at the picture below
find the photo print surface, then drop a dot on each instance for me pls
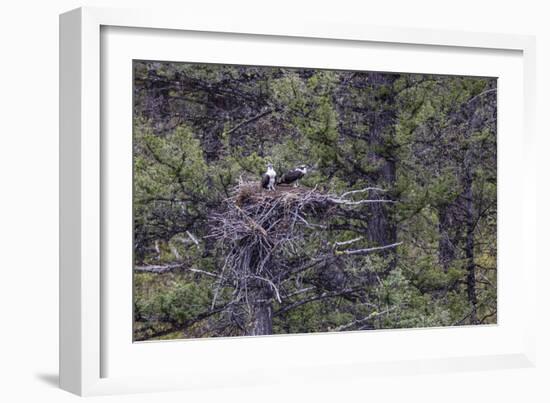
(275, 200)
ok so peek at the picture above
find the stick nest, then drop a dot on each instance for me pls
(268, 217)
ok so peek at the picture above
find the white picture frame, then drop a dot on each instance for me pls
(83, 307)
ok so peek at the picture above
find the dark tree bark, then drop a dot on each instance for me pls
(383, 227)
(469, 246)
(261, 318)
(447, 239)
(372, 101)
(259, 298)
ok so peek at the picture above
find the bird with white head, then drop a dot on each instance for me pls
(269, 178)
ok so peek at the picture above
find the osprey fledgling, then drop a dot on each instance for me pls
(268, 179)
(293, 175)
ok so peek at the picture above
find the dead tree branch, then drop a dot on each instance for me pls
(160, 269)
(368, 250)
(250, 120)
(365, 319)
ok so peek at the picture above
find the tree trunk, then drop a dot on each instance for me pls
(260, 321)
(259, 300)
(372, 99)
(446, 241)
(469, 247)
(382, 229)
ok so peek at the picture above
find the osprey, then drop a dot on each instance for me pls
(293, 175)
(268, 179)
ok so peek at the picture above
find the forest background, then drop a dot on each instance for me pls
(425, 145)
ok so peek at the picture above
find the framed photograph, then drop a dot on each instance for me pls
(244, 200)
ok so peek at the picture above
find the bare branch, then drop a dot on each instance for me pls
(359, 202)
(351, 192)
(365, 319)
(192, 237)
(180, 327)
(160, 269)
(336, 244)
(252, 119)
(480, 95)
(324, 295)
(367, 250)
(301, 291)
(272, 284)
